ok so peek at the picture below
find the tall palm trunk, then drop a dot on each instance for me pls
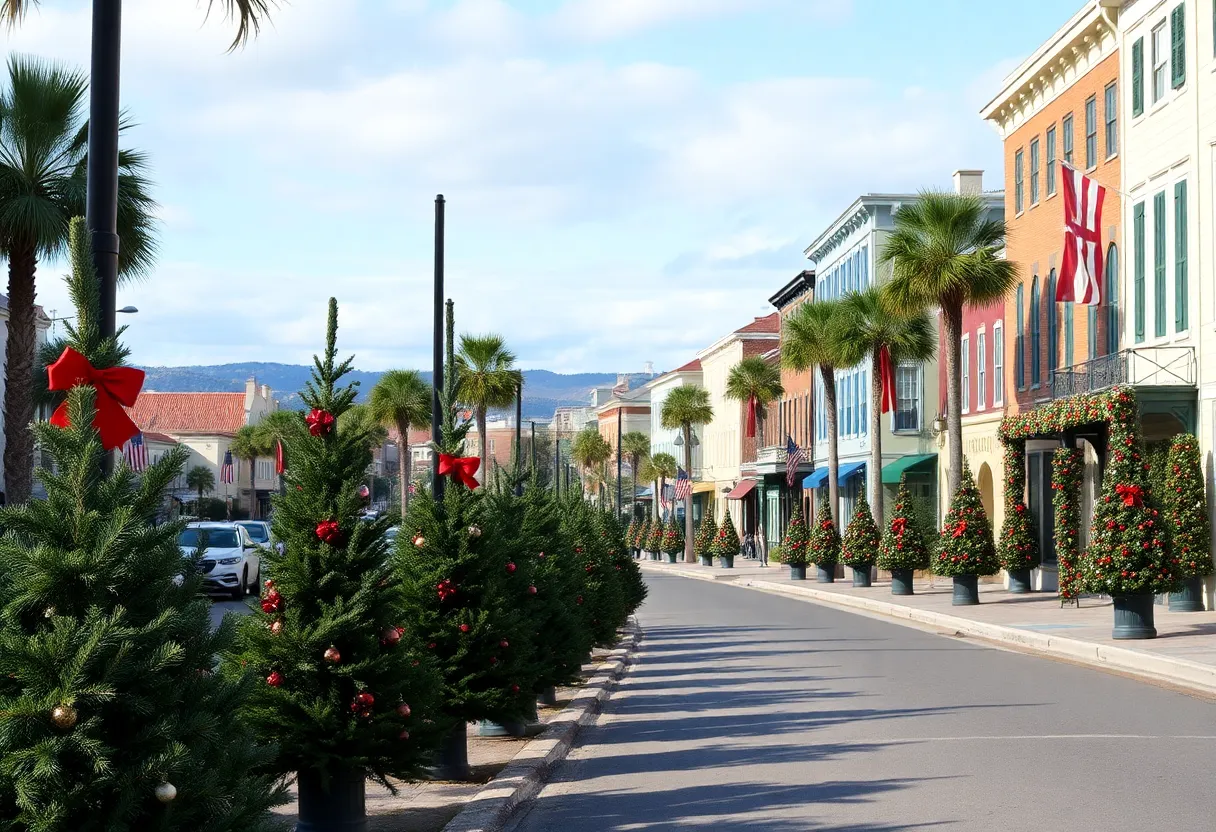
(253, 488)
(829, 404)
(482, 471)
(403, 467)
(875, 474)
(658, 500)
(689, 557)
(953, 315)
(18, 392)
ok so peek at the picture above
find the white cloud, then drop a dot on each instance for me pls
(608, 19)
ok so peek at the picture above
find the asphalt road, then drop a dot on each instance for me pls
(220, 608)
(748, 711)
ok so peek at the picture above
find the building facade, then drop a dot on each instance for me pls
(664, 441)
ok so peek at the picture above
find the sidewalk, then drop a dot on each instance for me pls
(1184, 652)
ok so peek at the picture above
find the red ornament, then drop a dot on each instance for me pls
(464, 628)
(391, 636)
(269, 584)
(531, 590)
(404, 735)
(117, 387)
(579, 600)
(504, 644)
(514, 688)
(333, 656)
(1132, 495)
(446, 589)
(274, 679)
(320, 422)
(403, 710)
(328, 532)
(362, 703)
(364, 492)
(419, 541)
(510, 567)
(493, 659)
(541, 556)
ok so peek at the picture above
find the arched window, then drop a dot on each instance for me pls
(1053, 325)
(1112, 299)
(1019, 341)
(1035, 347)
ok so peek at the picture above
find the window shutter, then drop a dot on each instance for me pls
(1138, 77)
(1181, 291)
(1159, 264)
(1178, 50)
(1138, 256)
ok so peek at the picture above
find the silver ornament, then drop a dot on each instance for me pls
(165, 792)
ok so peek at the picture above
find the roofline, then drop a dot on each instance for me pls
(803, 281)
(725, 341)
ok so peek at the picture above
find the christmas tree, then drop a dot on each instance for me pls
(1186, 510)
(796, 541)
(965, 544)
(824, 547)
(632, 584)
(631, 534)
(348, 690)
(903, 545)
(726, 541)
(702, 544)
(673, 537)
(602, 597)
(111, 717)
(861, 538)
(654, 540)
(1019, 546)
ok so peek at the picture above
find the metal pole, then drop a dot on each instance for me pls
(557, 461)
(519, 427)
(619, 499)
(101, 199)
(437, 370)
(532, 447)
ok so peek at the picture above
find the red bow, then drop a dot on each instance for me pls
(320, 422)
(960, 528)
(459, 468)
(898, 525)
(1133, 495)
(328, 531)
(117, 387)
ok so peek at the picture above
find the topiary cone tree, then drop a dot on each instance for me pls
(824, 547)
(795, 544)
(704, 541)
(601, 598)
(1018, 551)
(965, 549)
(655, 540)
(633, 586)
(631, 534)
(859, 549)
(726, 540)
(347, 690)
(111, 717)
(902, 549)
(673, 538)
(1186, 514)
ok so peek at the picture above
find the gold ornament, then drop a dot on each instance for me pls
(64, 716)
(165, 792)
(419, 541)
(49, 612)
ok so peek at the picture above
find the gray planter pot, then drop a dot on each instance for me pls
(453, 755)
(340, 807)
(825, 574)
(861, 576)
(1133, 617)
(1189, 598)
(797, 573)
(1019, 581)
(901, 582)
(966, 590)
(707, 560)
(726, 561)
(671, 558)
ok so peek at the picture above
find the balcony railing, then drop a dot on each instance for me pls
(771, 455)
(1146, 366)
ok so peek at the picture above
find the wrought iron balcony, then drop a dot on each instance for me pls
(771, 455)
(1145, 366)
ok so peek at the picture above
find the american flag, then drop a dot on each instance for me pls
(665, 497)
(793, 458)
(683, 484)
(226, 471)
(135, 453)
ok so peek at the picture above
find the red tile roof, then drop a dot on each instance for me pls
(152, 436)
(218, 413)
(691, 367)
(769, 324)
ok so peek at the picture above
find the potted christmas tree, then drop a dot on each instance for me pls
(965, 549)
(1018, 551)
(795, 544)
(902, 550)
(655, 542)
(702, 545)
(824, 547)
(643, 539)
(673, 540)
(602, 600)
(1187, 522)
(859, 549)
(726, 543)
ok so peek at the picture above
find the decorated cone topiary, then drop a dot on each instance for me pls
(965, 548)
(654, 539)
(641, 535)
(702, 545)
(902, 549)
(795, 544)
(1067, 473)
(1187, 521)
(859, 549)
(631, 534)
(673, 538)
(726, 541)
(1018, 550)
(824, 548)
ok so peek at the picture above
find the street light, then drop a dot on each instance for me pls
(126, 310)
(679, 443)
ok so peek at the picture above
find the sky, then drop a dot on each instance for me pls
(626, 180)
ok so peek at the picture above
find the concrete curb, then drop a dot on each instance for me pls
(1186, 674)
(501, 798)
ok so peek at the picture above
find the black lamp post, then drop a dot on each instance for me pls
(619, 498)
(519, 426)
(437, 357)
(101, 178)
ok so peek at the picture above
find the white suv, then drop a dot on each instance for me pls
(230, 561)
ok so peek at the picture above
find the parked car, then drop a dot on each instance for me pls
(259, 531)
(230, 562)
(390, 535)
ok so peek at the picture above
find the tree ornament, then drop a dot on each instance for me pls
(269, 584)
(363, 703)
(117, 388)
(514, 688)
(49, 612)
(531, 590)
(404, 735)
(166, 792)
(364, 492)
(276, 627)
(445, 589)
(64, 716)
(320, 422)
(328, 532)
(391, 636)
(332, 655)
(504, 644)
(275, 679)
(403, 710)
(419, 541)
(464, 628)
(474, 531)
(510, 567)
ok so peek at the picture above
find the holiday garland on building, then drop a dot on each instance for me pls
(673, 537)
(859, 549)
(824, 546)
(902, 545)
(702, 544)
(1067, 473)
(1186, 509)
(1018, 548)
(796, 541)
(965, 544)
(726, 540)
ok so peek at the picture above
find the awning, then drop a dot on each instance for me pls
(892, 473)
(646, 493)
(704, 487)
(819, 476)
(741, 490)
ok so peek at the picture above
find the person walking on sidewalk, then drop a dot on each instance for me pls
(761, 546)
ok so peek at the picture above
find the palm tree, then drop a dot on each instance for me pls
(683, 408)
(43, 144)
(488, 379)
(757, 383)
(248, 444)
(946, 251)
(201, 479)
(869, 323)
(590, 450)
(811, 340)
(401, 399)
(249, 14)
(279, 427)
(663, 465)
(635, 445)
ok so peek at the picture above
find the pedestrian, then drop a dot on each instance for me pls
(749, 546)
(761, 545)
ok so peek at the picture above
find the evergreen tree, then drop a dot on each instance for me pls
(631, 534)
(1019, 546)
(824, 547)
(673, 537)
(111, 719)
(643, 535)
(796, 541)
(602, 596)
(348, 688)
(965, 544)
(654, 542)
(903, 544)
(632, 584)
(726, 541)
(1186, 509)
(861, 538)
(707, 532)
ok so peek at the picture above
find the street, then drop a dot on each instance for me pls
(745, 710)
(221, 607)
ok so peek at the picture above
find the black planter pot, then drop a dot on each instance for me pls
(337, 806)
(453, 755)
(825, 574)
(726, 562)
(1133, 617)
(1189, 598)
(966, 590)
(901, 581)
(797, 573)
(707, 560)
(861, 576)
(671, 558)
(1019, 581)
(548, 696)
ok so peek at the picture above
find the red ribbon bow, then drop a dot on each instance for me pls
(459, 468)
(898, 525)
(320, 422)
(1133, 495)
(117, 387)
(960, 528)
(328, 532)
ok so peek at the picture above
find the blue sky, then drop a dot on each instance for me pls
(627, 180)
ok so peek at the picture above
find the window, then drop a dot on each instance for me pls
(1112, 119)
(865, 403)
(1112, 299)
(1019, 342)
(1138, 77)
(1160, 61)
(1068, 333)
(966, 373)
(1181, 295)
(1035, 347)
(1053, 325)
(998, 364)
(1034, 172)
(907, 397)
(981, 355)
(1159, 264)
(1091, 132)
(1066, 129)
(1138, 264)
(1017, 182)
(1178, 46)
(1051, 160)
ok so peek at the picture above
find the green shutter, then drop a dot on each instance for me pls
(1159, 265)
(1178, 45)
(1181, 291)
(1138, 77)
(1138, 256)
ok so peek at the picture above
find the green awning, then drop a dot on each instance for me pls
(891, 473)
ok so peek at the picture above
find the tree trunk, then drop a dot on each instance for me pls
(633, 479)
(658, 497)
(953, 315)
(403, 467)
(483, 470)
(875, 475)
(19, 376)
(829, 404)
(689, 557)
(253, 488)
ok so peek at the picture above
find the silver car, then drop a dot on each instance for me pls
(230, 561)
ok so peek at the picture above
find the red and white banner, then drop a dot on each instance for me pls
(1081, 272)
(751, 417)
(886, 371)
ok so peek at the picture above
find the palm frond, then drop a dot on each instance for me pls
(686, 406)
(753, 377)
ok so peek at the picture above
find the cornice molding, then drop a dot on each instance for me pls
(844, 229)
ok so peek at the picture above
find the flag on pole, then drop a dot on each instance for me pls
(793, 458)
(1081, 270)
(886, 370)
(683, 485)
(135, 453)
(751, 417)
(226, 470)
(280, 464)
